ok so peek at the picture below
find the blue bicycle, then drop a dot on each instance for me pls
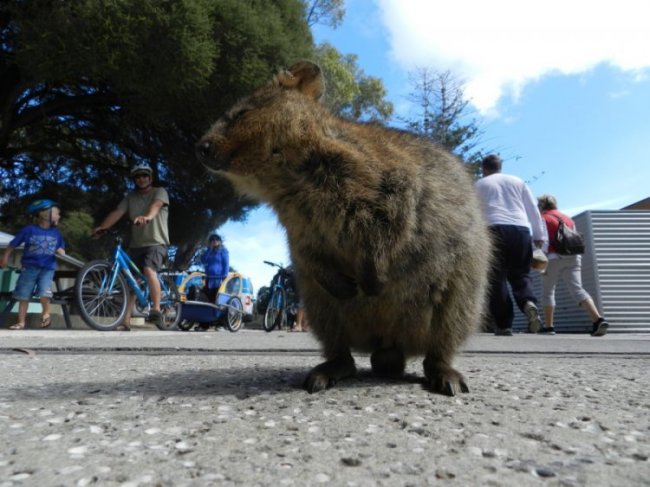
(102, 288)
(280, 312)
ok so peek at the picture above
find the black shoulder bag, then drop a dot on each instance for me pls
(567, 240)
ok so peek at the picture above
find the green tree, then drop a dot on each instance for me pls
(444, 115)
(76, 227)
(350, 92)
(325, 12)
(88, 88)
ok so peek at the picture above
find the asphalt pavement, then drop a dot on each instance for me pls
(150, 408)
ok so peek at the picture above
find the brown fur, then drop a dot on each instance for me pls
(385, 231)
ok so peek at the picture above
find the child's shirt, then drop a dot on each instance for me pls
(41, 245)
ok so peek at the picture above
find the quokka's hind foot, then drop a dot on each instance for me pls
(388, 362)
(325, 375)
(442, 378)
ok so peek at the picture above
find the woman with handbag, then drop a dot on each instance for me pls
(567, 267)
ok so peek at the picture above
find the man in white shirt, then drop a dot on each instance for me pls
(511, 212)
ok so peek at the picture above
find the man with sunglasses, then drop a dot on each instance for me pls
(147, 207)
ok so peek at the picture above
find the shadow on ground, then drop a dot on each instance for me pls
(240, 382)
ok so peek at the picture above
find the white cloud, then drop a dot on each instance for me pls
(619, 94)
(249, 243)
(498, 46)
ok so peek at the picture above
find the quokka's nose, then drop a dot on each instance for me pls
(203, 149)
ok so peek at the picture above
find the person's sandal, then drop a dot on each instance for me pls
(17, 326)
(123, 327)
(46, 321)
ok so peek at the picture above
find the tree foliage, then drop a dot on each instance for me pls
(444, 114)
(325, 12)
(349, 91)
(89, 88)
(76, 227)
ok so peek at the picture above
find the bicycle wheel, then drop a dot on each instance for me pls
(186, 325)
(100, 306)
(275, 315)
(235, 314)
(170, 304)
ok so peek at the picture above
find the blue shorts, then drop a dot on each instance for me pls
(33, 281)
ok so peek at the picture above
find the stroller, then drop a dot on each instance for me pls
(226, 311)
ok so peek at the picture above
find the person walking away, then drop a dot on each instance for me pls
(216, 263)
(147, 207)
(43, 242)
(565, 267)
(512, 213)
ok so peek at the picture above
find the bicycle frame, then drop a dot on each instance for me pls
(278, 300)
(279, 294)
(123, 263)
(278, 291)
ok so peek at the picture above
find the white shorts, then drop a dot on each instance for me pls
(569, 269)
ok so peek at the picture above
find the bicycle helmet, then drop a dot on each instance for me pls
(141, 168)
(215, 236)
(39, 205)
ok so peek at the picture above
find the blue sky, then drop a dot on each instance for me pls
(561, 90)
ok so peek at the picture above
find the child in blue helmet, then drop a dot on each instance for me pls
(42, 242)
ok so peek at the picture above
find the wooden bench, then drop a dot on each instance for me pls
(61, 297)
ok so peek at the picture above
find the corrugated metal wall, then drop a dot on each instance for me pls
(615, 271)
(621, 243)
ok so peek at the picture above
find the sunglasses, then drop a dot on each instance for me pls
(141, 175)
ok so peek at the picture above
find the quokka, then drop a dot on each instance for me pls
(386, 234)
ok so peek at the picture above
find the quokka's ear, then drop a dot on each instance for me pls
(305, 77)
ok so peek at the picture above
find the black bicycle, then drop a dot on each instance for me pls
(280, 312)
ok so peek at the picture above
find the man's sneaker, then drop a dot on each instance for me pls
(503, 332)
(600, 327)
(547, 331)
(534, 321)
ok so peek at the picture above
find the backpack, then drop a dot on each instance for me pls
(567, 240)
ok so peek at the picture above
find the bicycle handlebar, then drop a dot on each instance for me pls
(272, 264)
(104, 232)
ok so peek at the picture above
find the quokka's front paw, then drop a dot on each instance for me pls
(325, 375)
(315, 382)
(448, 383)
(443, 379)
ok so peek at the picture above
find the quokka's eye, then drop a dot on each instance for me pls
(234, 116)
